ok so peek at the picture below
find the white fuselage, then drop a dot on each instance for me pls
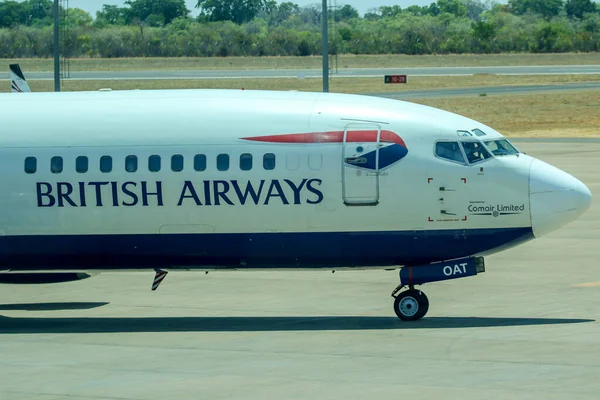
(243, 179)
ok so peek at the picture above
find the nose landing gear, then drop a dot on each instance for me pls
(412, 304)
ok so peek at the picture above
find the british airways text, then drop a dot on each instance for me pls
(201, 193)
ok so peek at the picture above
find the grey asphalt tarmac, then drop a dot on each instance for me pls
(488, 90)
(528, 328)
(354, 73)
(317, 73)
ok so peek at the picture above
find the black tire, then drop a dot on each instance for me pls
(411, 305)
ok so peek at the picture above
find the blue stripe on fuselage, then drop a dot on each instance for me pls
(251, 250)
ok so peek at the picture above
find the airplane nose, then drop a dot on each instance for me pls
(556, 198)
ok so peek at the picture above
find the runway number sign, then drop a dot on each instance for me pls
(395, 79)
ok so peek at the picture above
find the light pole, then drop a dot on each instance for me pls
(56, 47)
(324, 45)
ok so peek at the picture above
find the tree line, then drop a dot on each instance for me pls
(164, 28)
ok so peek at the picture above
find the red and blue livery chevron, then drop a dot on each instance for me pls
(393, 147)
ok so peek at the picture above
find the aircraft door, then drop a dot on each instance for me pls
(360, 164)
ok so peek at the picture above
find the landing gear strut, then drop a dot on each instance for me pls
(410, 305)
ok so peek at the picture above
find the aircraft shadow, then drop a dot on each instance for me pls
(50, 306)
(256, 324)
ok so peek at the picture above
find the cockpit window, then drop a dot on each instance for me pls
(478, 132)
(450, 151)
(463, 133)
(501, 147)
(475, 152)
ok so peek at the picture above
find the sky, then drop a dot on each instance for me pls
(362, 6)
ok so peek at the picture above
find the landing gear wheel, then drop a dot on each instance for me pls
(411, 305)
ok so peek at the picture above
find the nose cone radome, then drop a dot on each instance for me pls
(556, 198)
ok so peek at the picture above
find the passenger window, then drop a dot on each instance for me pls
(223, 162)
(106, 164)
(315, 161)
(81, 164)
(177, 163)
(475, 152)
(449, 151)
(292, 161)
(30, 165)
(199, 162)
(246, 162)
(269, 161)
(56, 165)
(131, 163)
(154, 163)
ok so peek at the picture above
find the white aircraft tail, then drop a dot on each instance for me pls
(18, 84)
